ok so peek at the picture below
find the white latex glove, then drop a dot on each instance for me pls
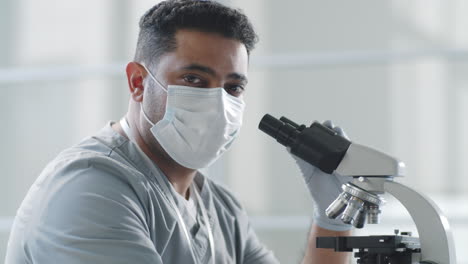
(324, 188)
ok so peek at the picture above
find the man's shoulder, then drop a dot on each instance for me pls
(102, 144)
(86, 173)
(97, 151)
(90, 153)
(93, 156)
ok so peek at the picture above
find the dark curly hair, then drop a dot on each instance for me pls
(159, 25)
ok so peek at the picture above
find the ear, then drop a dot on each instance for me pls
(135, 76)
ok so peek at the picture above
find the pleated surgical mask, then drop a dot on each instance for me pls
(199, 124)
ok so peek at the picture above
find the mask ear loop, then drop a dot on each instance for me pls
(145, 116)
(160, 85)
(154, 78)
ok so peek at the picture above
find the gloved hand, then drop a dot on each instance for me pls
(324, 188)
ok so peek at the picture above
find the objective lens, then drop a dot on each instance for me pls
(373, 214)
(350, 213)
(361, 219)
(338, 206)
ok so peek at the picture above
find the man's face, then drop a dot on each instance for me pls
(204, 60)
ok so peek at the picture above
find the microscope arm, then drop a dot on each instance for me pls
(434, 231)
(433, 227)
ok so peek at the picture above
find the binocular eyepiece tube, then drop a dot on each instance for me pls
(316, 144)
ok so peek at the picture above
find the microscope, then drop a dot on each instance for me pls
(372, 173)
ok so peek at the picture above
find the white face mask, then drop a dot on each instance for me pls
(199, 125)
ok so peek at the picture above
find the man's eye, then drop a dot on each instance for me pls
(192, 79)
(235, 89)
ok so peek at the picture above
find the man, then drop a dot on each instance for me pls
(133, 193)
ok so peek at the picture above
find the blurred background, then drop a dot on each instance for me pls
(394, 74)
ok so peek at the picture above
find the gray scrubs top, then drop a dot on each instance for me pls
(97, 202)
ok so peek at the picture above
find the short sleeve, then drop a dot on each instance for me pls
(91, 214)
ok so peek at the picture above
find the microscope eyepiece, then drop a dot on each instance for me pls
(317, 144)
(270, 125)
(284, 132)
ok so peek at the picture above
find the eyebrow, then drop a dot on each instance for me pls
(198, 67)
(238, 76)
(210, 71)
